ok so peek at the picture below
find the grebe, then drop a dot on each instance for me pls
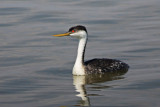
(94, 66)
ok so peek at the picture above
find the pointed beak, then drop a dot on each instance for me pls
(64, 34)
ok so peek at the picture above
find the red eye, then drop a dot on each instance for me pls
(73, 31)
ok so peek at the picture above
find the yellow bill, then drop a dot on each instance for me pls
(64, 34)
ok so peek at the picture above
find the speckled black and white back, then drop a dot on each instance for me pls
(100, 66)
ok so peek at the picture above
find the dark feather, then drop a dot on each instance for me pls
(104, 65)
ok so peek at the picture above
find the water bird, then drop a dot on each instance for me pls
(93, 66)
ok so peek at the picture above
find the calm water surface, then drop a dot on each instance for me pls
(35, 68)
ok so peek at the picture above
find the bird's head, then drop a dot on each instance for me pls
(78, 31)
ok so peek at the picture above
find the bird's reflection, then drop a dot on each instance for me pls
(80, 81)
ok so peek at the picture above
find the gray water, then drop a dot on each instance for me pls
(36, 68)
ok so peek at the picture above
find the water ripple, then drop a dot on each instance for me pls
(13, 10)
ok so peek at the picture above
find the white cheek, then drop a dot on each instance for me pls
(83, 34)
(76, 35)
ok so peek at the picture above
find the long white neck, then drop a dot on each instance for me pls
(78, 68)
